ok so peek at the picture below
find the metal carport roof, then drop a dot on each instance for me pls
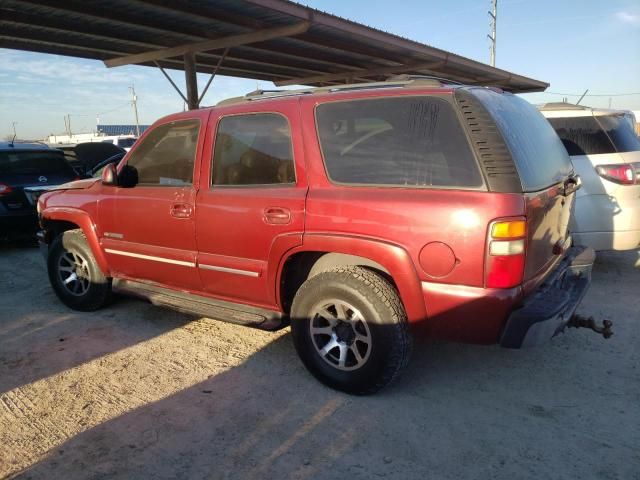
(274, 40)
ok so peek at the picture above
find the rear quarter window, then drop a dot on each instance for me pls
(396, 141)
(539, 156)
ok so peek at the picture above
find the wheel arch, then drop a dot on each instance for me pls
(57, 220)
(322, 253)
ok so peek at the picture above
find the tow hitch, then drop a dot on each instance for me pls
(578, 321)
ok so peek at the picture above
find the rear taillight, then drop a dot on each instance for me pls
(623, 174)
(506, 253)
(5, 189)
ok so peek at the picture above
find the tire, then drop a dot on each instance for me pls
(74, 273)
(368, 347)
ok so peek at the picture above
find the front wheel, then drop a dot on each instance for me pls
(350, 329)
(74, 273)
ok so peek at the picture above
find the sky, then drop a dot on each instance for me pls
(572, 44)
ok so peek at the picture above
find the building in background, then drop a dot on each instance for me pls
(121, 135)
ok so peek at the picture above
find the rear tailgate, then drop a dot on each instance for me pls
(548, 213)
(546, 178)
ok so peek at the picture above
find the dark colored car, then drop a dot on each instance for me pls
(26, 170)
(85, 157)
(360, 215)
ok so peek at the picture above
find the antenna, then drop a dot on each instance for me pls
(580, 99)
(493, 13)
(14, 133)
(134, 104)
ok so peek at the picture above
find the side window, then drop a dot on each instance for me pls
(166, 155)
(399, 141)
(253, 149)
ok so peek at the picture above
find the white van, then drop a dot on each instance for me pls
(605, 152)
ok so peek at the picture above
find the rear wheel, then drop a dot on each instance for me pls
(74, 273)
(350, 329)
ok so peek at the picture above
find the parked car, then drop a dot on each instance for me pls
(605, 152)
(84, 157)
(362, 215)
(122, 141)
(26, 170)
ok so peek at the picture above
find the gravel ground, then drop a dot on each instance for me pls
(134, 391)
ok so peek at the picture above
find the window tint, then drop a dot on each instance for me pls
(167, 154)
(620, 131)
(540, 159)
(253, 149)
(582, 135)
(34, 163)
(404, 141)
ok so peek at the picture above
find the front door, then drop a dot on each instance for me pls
(251, 204)
(147, 226)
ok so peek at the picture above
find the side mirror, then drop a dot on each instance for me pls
(110, 175)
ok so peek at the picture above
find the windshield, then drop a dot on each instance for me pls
(35, 163)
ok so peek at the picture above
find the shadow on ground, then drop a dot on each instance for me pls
(568, 410)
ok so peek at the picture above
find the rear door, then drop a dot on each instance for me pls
(546, 174)
(251, 204)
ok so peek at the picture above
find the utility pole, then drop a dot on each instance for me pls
(134, 104)
(67, 123)
(493, 13)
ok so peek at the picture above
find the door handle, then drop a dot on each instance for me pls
(181, 210)
(277, 215)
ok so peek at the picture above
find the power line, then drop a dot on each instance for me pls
(595, 94)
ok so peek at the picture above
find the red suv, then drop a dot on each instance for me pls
(360, 215)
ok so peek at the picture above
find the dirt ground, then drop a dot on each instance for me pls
(135, 391)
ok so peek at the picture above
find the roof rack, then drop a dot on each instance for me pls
(398, 81)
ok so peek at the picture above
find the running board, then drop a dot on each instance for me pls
(198, 305)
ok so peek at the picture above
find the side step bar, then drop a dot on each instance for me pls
(197, 305)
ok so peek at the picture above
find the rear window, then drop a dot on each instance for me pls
(402, 141)
(33, 163)
(540, 158)
(618, 128)
(582, 135)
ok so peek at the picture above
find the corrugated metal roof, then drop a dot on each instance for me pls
(107, 29)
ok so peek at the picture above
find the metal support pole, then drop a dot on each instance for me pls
(173, 84)
(213, 74)
(191, 80)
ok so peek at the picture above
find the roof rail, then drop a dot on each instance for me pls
(393, 82)
(406, 77)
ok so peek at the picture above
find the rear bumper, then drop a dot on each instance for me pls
(547, 311)
(608, 222)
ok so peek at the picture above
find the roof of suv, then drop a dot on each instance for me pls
(401, 81)
(563, 109)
